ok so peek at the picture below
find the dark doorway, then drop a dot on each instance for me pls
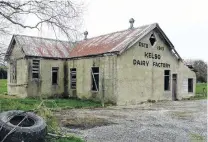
(174, 87)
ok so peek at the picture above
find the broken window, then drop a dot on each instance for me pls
(73, 74)
(95, 78)
(152, 39)
(35, 69)
(190, 85)
(13, 72)
(54, 75)
(167, 80)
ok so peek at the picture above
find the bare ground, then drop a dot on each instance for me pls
(181, 121)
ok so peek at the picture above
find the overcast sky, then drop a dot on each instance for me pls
(185, 22)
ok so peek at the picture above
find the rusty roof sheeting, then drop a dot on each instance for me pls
(113, 42)
(41, 47)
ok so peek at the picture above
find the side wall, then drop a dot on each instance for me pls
(184, 74)
(107, 78)
(43, 86)
(20, 87)
(141, 72)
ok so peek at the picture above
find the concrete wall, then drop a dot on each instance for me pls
(107, 77)
(43, 86)
(138, 83)
(18, 88)
(25, 85)
(184, 74)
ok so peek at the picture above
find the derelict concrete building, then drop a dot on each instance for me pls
(124, 67)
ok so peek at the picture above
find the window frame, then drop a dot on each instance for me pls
(169, 80)
(71, 78)
(93, 79)
(35, 68)
(55, 69)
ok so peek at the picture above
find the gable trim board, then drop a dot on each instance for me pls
(107, 53)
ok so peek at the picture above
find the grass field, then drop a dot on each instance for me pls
(8, 103)
(199, 88)
(3, 86)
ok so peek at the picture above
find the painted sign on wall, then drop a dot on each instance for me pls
(150, 55)
(154, 64)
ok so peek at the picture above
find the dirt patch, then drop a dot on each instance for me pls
(161, 121)
(85, 122)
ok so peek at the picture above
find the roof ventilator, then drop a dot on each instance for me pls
(131, 21)
(85, 34)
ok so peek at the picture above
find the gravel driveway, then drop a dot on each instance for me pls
(179, 121)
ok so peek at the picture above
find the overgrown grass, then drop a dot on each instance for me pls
(27, 104)
(9, 103)
(12, 103)
(199, 88)
(199, 92)
(3, 86)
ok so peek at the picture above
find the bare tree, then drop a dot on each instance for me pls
(60, 16)
(63, 15)
(2, 54)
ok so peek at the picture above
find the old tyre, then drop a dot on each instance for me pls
(32, 129)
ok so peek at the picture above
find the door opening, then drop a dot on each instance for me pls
(174, 87)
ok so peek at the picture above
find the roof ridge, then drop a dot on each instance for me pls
(118, 32)
(82, 39)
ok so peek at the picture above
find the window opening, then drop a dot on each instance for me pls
(54, 75)
(73, 74)
(167, 80)
(152, 39)
(95, 78)
(35, 69)
(13, 72)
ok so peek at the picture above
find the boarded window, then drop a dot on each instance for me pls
(13, 72)
(95, 78)
(73, 78)
(167, 80)
(54, 75)
(36, 69)
(190, 85)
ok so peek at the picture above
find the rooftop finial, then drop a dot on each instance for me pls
(85, 34)
(131, 21)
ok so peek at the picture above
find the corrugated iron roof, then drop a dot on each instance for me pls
(42, 47)
(116, 42)
(113, 42)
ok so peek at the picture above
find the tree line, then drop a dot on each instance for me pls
(200, 67)
(3, 73)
